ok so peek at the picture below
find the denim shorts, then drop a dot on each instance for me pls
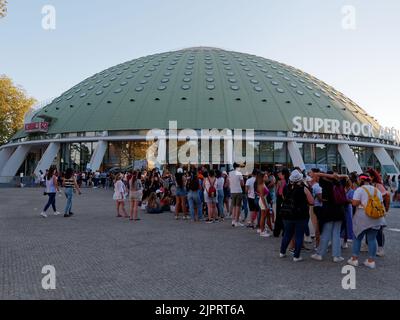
(181, 192)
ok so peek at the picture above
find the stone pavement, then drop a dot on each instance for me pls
(98, 256)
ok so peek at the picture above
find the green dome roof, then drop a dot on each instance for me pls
(200, 88)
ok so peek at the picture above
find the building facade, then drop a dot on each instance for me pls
(294, 118)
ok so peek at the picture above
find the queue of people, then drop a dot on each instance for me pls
(328, 210)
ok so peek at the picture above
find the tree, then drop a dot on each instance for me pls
(14, 103)
(3, 8)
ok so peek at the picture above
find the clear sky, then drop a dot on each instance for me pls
(92, 35)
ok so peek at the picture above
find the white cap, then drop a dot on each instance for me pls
(296, 176)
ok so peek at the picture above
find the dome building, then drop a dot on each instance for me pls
(296, 119)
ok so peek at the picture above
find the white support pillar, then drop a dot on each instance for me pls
(5, 154)
(47, 158)
(15, 161)
(162, 152)
(98, 155)
(397, 155)
(386, 161)
(295, 155)
(349, 158)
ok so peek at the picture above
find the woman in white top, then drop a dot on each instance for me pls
(135, 194)
(377, 182)
(119, 196)
(51, 191)
(363, 225)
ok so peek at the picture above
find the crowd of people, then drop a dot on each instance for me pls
(325, 209)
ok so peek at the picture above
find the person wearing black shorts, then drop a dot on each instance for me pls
(251, 198)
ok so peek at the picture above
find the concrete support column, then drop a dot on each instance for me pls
(5, 154)
(349, 158)
(396, 154)
(98, 155)
(15, 161)
(386, 161)
(295, 155)
(47, 158)
(162, 151)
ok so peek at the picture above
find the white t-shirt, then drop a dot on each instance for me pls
(235, 177)
(119, 190)
(316, 189)
(220, 184)
(250, 184)
(361, 221)
(361, 195)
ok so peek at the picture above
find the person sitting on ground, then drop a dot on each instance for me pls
(165, 200)
(153, 204)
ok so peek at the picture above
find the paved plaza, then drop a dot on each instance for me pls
(97, 256)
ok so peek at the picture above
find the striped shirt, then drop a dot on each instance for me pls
(69, 183)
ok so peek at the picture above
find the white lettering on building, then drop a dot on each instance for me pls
(347, 128)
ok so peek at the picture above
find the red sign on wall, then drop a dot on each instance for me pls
(37, 127)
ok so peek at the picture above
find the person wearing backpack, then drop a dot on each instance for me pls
(295, 214)
(367, 221)
(377, 182)
(210, 196)
(333, 212)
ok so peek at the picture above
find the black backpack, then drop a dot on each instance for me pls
(289, 209)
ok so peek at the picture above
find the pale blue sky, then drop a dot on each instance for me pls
(92, 35)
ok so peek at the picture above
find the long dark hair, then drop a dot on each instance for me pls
(50, 173)
(179, 179)
(69, 173)
(375, 176)
(135, 176)
(259, 180)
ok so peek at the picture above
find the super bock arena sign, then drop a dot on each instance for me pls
(344, 128)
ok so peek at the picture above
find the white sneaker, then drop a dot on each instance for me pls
(239, 224)
(338, 259)
(307, 239)
(56, 213)
(282, 255)
(316, 257)
(380, 252)
(258, 230)
(43, 214)
(297, 259)
(234, 224)
(370, 265)
(345, 245)
(352, 262)
(364, 247)
(265, 234)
